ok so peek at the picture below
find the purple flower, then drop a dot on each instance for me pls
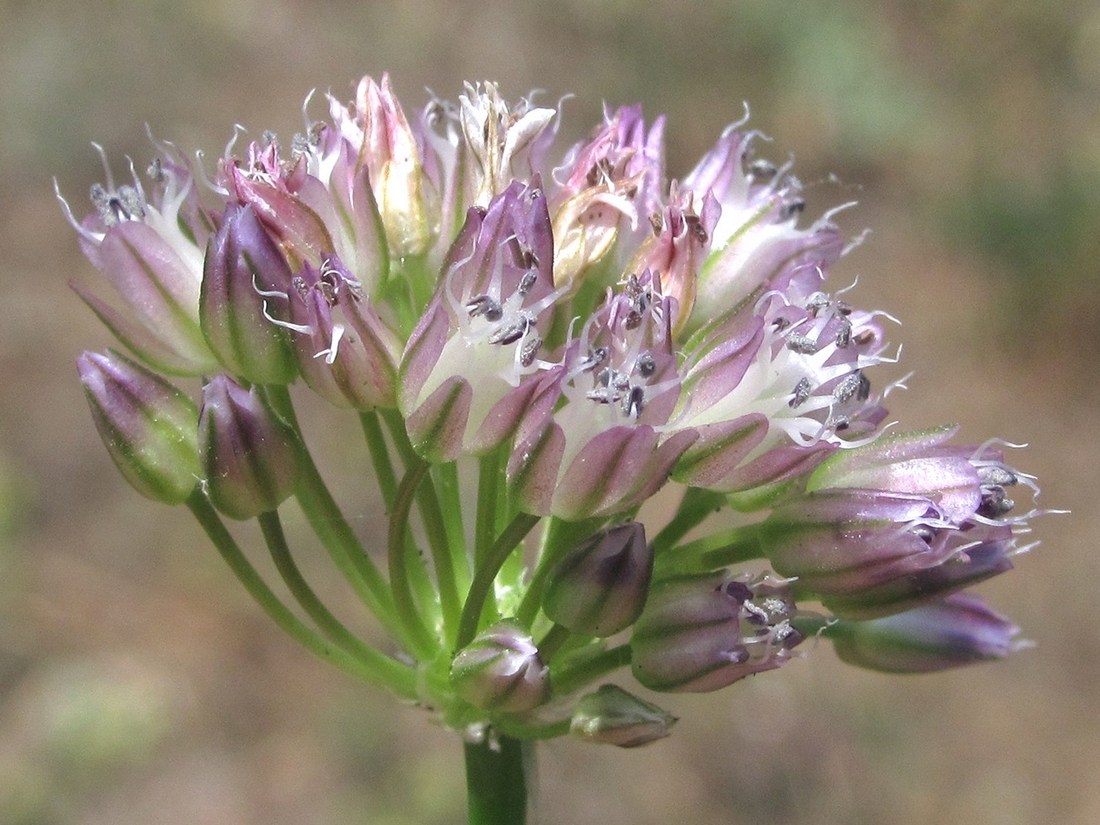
(958, 630)
(346, 352)
(600, 587)
(604, 450)
(249, 456)
(150, 250)
(470, 368)
(149, 427)
(244, 269)
(611, 716)
(612, 184)
(701, 634)
(887, 522)
(500, 670)
(390, 150)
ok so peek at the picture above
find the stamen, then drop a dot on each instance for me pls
(801, 392)
(529, 350)
(802, 344)
(484, 305)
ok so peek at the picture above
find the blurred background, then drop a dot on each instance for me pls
(138, 683)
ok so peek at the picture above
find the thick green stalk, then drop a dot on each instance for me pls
(497, 774)
(282, 616)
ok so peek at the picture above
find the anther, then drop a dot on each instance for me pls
(645, 365)
(864, 337)
(792, 207)
(484, 305)
(801, 392)
(864, 391)
(802, 344)
(993, 475)
(527, 281)
(528, 350)
(633, 401)
(513, 332)
(843, 332)
(114, 207)
(762, 170)
(994, 502)
(849, 387)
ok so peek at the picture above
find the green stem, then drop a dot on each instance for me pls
(485, 525)
(275, 609)
(450, 494)
(721, 549)
(380, 457)
(390, 672)
(486, 573)
(496, 780)
(559, 538)
(694, 508)
(571, 677)
(431, 514)
(328, 523)
(422, 642)
(548, 645)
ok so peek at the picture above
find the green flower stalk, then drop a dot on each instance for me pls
(569, 332)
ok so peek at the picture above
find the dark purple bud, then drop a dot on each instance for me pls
(249, 455)
(500, 670)
(245, 289)
(150, 428)
(959, 630)
(600, 587)
(611, 716)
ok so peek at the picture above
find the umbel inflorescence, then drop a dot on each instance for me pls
(536, 339)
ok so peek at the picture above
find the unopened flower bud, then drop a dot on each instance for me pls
(958, 630)
(611, 716)
(389, 147)
(245, 270)
(500, 670)
(600, 587)
(150, 428)
(250, 457)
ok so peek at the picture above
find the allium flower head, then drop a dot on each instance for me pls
(574, 330)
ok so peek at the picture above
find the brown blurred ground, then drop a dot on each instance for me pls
(139, 685)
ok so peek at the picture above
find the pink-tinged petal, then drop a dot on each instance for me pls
(775, 465)
(437, 426)
(723, 366)
(421, 353)
(720, 450)
(615, 470)
(533, 468)
(502, 420)
(171, 358)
